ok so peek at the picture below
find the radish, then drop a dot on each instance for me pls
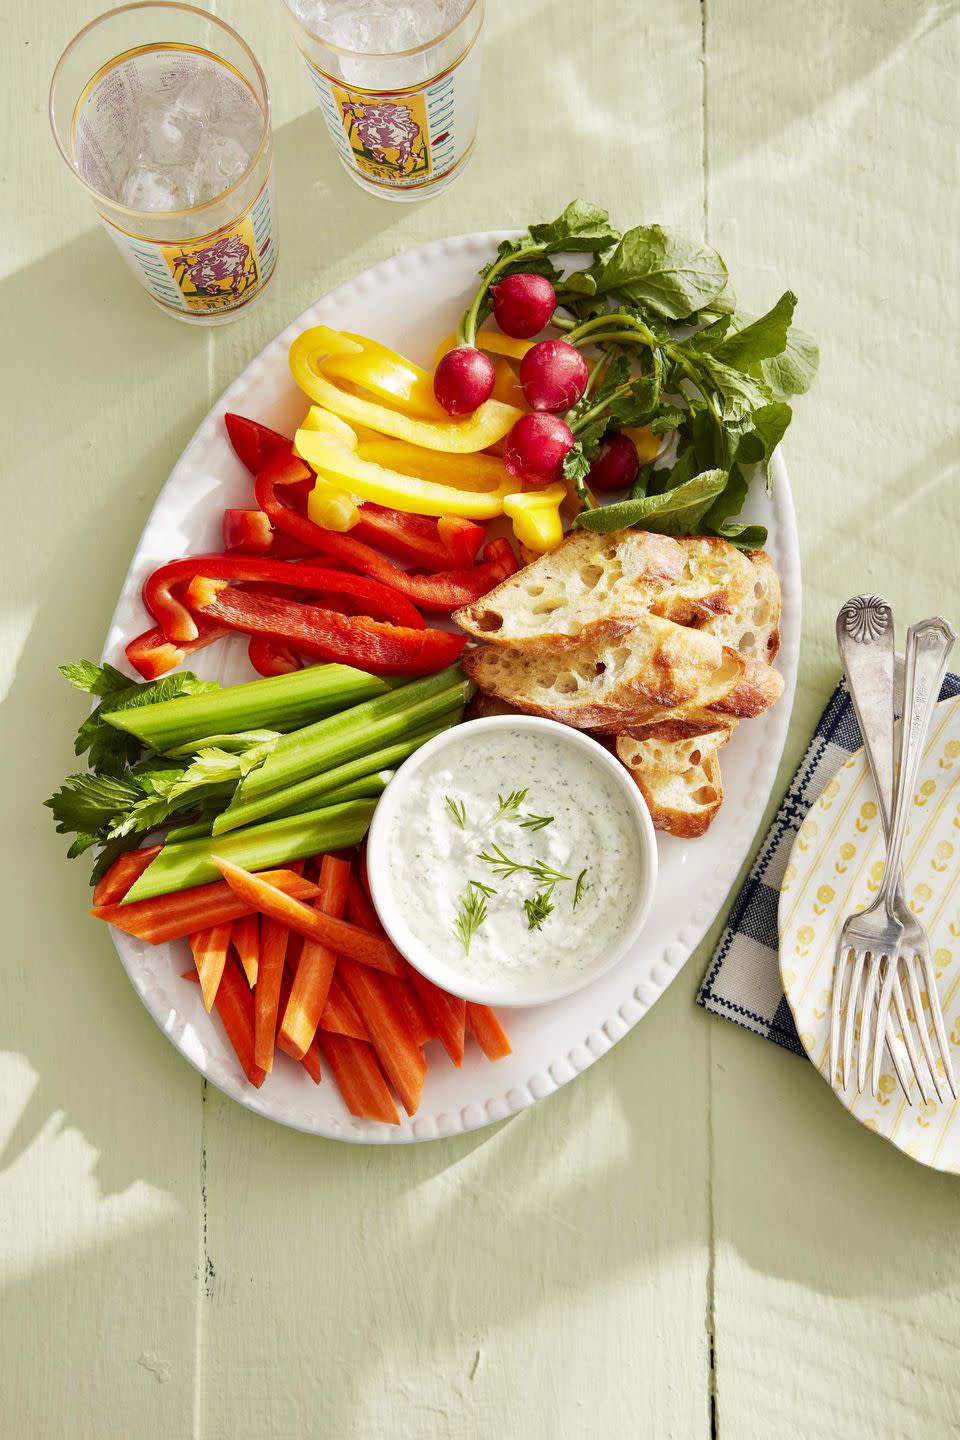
(536, 447)
(616, 466)
(523, 304)
(463, 380)
(553, 376)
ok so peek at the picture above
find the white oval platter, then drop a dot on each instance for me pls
(410, 302)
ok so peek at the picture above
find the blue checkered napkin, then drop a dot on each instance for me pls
(743, 981)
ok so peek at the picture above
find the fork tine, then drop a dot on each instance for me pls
(906, 1030)
(936, 1012)
(883, 1014)
(869, 994)
(852, 994)
(839, 971)
(917, 1003)
(894, 1047)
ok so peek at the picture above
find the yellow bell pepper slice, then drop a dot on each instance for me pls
(331, 507)
(464, 472)
(348, 470)
(647, 443)
(494, 342)
(324, 422)
(474, 432)
(536, 517)
(383, 372)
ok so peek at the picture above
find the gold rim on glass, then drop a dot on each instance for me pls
(387, 54)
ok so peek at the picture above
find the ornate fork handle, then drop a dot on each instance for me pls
(929, 644)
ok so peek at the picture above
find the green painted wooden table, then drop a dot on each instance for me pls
(692, 1234)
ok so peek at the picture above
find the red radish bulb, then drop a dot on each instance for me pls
(535, 448)
(553, 376)
(463, 380)
(616, 466)
(523, 304)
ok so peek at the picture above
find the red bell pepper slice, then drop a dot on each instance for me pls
(442, 592)
(416, 539)
(272, 657)
(249, 532)
(179, 625)
(327, 635)
(152, 654)
(419, 539)
(253, 443)
(462, 538)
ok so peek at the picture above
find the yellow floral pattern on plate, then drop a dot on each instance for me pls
(836, 867)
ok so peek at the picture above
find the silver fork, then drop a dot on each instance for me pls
(928, 648)
(875, 938)
(865, 640)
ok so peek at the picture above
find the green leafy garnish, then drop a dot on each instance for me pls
(471, 913)
(581, 886)
(538, 909)
(676, 355)
(502, 865)
(509, 805)
(456, 810)
(535, 822)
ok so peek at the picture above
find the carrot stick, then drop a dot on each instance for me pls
(402, 1059)
(360, 912)
(246, 942)
(210, 955)
(412, 1011)
(340, 1014)
(358, 1078)
(172, 917)
(235, 1008)
(310, 1060)
(260, 894)
(314, 973)
(487, 1031)
(273, 948)
(446, 1013)
(127, 867)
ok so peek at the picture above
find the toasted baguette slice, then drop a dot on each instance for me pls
(592, 586)
(681, 784)
(716, 579)
(752, 625)
(482, 707)
(651, 674)
(754, 689)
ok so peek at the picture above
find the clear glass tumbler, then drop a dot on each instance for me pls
(399, 85)
(162, 112)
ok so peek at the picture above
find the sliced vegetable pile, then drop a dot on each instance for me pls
(371, 517)
(295, 960)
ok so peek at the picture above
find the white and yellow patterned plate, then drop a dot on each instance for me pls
(836, 867)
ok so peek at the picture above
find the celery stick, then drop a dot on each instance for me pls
(358, 731)
(275, 703)
(234, 744)
(362, 789)
(189, 832)
(261, 847)
(311, 792)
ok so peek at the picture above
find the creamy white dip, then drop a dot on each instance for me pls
(431, 859)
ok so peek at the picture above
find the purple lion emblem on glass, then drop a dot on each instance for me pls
(207, 269)
(383, 127)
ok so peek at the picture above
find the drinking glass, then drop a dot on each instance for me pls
(162, 112)
(399, 85)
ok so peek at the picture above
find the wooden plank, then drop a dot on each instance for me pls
(831, 162)
(547, 1278)
(99, 1117)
